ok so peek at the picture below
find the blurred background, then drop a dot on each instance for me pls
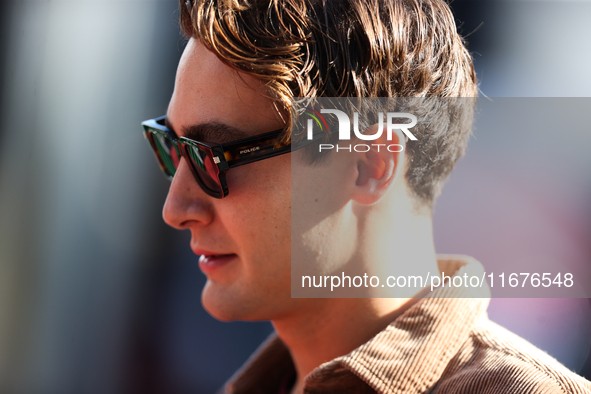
(97, 295)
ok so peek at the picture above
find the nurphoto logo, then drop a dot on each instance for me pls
(344, 122)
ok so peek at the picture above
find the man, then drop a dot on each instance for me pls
(234, 187)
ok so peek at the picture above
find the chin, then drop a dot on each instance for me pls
(226, 304)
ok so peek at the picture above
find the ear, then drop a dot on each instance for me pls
(379, 166)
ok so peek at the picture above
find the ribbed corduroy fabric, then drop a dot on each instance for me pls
(443, 344)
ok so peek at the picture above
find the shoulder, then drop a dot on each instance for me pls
(494, 360)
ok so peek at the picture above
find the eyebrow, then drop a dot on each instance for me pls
(215, 132)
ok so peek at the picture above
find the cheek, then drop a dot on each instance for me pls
(258, 211)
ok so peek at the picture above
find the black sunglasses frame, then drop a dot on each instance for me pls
(223, 156)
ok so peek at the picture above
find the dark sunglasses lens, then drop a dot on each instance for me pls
(166, 152)
(203, 167)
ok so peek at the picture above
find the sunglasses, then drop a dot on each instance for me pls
(209, 162)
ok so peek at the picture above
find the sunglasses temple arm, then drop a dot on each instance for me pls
(238, 155)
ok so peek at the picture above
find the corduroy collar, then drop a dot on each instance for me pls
(408, 356)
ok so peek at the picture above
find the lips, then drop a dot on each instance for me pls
(209, 262)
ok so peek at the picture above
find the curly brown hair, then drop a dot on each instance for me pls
(351, 48)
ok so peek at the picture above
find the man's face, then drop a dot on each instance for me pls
(250, 228)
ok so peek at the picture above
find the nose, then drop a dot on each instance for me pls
(186, 204)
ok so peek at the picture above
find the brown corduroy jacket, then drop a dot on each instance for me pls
(444, 343)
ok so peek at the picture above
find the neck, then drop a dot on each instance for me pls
(325, 328)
